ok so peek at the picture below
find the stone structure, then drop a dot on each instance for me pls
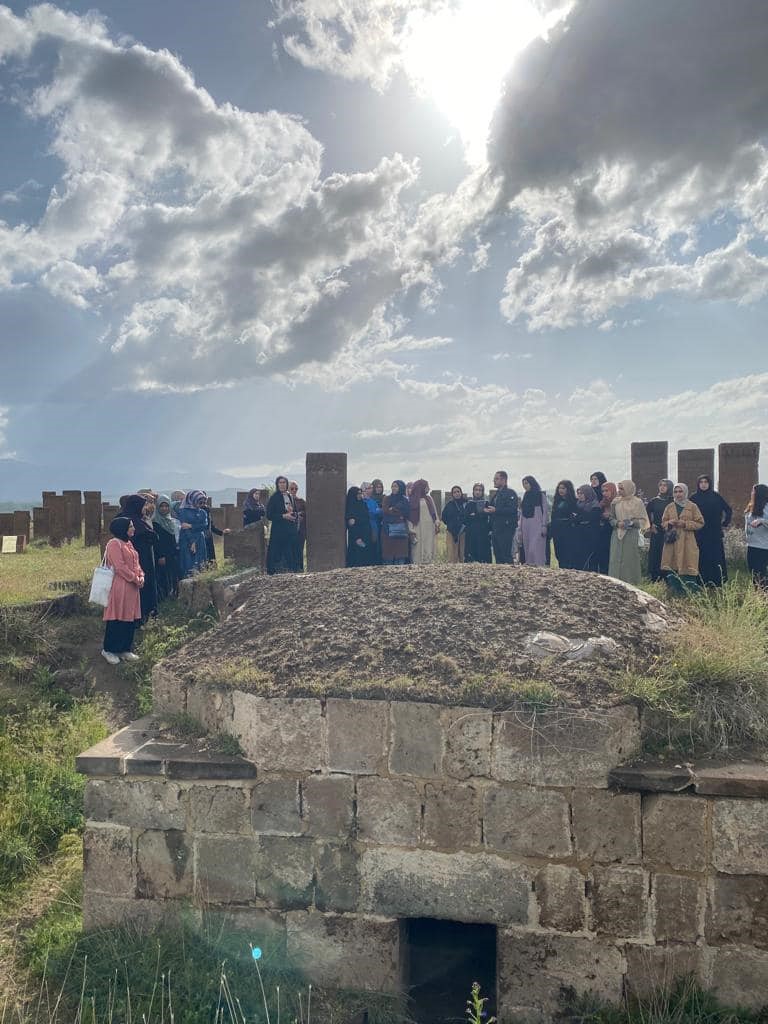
(247, 548)
(737, 474)
(437, 497)
(41, 523)
(650, 463)
(58, 521)
(693, 463)
(74, 503)
(7, 524)
(92, 517)
(22, 525)
(326, 495)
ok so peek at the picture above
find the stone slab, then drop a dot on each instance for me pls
(650, 463)
(275, 806)
(285, 871)
(388, 811)
(653, 970)
(738, 466)
(468, 734)
(141, 804)
(560, 895)
(220, 809)
(337, 877)
(417, 739)
(358, 732)
(652, 778)
(164, 867)
(693, 463)
(620, 902)
(347, 952)
(327, 803)
(107, 757)
(452, 815)
(606, 825)
(740, 977)
(527, 822)
(678, 903)
(326, 476)
(747, 779)
(740, 836)
(738, 911)
(247, 548)
(108, 861)
(280, 734)
(675, 831)
(225, 869)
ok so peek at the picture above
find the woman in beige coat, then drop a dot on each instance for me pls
(680, 558)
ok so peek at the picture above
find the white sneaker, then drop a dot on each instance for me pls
(110, 657)
(129, 656)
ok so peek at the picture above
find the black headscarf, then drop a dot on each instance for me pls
(119, 527)
(355, 503)
(132, 508)
(601, 479)
(399, 502)
(531, 498)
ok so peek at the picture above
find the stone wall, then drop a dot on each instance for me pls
(347, 817)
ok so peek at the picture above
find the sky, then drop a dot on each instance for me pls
(444, 236)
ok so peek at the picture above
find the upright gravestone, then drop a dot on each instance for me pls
(217, 517)
(6, 524)
(650, 463)
(437, 497)
(737, 474)
(92, 517)
(74, 501)
(22, 525)
(326, 494)
(57, 508)
(247, 548)
(231, 517)
(693, 463)
(241, 496)
(41, 523)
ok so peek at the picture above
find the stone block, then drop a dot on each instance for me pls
(740, 779)
(108, 861)
(738, 911)
(106, 757)
(527, 822)
(693, 463)
(536, 973)
(346, 952)
(337, 883)
(247, 548)
(620, 902)
(653, 970)
(678, 905)
(145, 804)
(163, 865)
(607, 825)
(22, 525)
(41, 523)
(101, 911)
(561, 899)
(650, 463)
(169, 691)
(737, 474)
(219, 809)
(740, 836)
(467, 742)
(451, 886)
(388, 811)
(357, 735)
(212, 706)
(280, 734)
(740, 978)
(417, 739)
(275, 806)
(452, 814)
(225, 869)
(326, 493)
(253, 924)
(327, 805)
(563, 748)
(651, 778)
(675, 831)
(285, 871)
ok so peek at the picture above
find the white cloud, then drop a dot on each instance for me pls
(4, 453)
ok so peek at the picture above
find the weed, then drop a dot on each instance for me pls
(476, 1007)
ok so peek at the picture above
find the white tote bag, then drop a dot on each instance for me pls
(101, 584)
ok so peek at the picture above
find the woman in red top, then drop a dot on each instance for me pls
(123, 612)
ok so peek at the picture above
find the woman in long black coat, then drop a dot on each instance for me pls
(166, 549)
(358, 522)
(477, 546)
(144, 540)
(562, 524)
(586, 530)
(655, 509)
(717, 515)
(284, 530)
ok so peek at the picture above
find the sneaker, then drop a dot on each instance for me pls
(129, 656)
(110, 657)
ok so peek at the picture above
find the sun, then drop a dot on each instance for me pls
(459, 54)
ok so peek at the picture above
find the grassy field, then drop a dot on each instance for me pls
(27, 577)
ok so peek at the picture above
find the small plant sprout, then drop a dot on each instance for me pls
(476, 1013)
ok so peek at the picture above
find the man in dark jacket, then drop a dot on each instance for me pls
(502, 510)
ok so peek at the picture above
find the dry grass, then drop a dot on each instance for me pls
(26, 577)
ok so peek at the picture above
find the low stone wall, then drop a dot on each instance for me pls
(347, 817)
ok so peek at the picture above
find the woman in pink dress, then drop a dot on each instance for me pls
(123, 612)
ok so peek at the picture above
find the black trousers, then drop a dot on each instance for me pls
(118, 636)
(503, 537)
(757, 563)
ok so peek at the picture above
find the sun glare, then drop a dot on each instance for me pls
(460, 54)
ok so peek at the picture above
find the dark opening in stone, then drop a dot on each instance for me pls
(442, 960)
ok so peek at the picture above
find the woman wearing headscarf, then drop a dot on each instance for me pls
(123, 612)
(358, 524)
(586, 530)
(656, 508)
(282, 553)
(211, 529)
(680, 559)
(167, 530)
(756, 531)
(477, 546)
(193, 551)
(628, 519)
(176, 499)
(377, 491)
(596, 482)
(301, 532)
(144, 539)
(424, 524)
(253, 510)
(717, 514)
(608, 492)
(395, 509)
(454, 515)
(533, 523)
(563, 522)
(374, 515)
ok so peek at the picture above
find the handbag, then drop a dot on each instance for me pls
(101, 584)
(396, 529)
(670, 537)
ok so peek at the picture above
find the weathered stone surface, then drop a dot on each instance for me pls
(388, 811)
(101, 911)
(146, 804)
(740, 978)
(247, 548)
(106, 758)
(620, 902)
(357, 735)
(452, 886)
(738, 912)
(467, 742)
(607, 825)
(650, 463)
(740, 836)
(536, 973)
(280, 734)
(212, 706)
(452, 814)
(108, 861)
(563, 748)
(169, 691)
(738, 466)
(693, 463)
(163, 865)
(747, 779)
(652, 778)
(349, 952)
(653, 970)
(275, 806)
(219, 809)
(285, 871)
(528, 822)
(417, 739)
(268, 926)
(326, 492)
(337, 884)
(678, 902)
(675, 832)
(225, 868)
(560, 896)
(327, 805)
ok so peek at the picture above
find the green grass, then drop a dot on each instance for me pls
(26, 577)
(683, 1003)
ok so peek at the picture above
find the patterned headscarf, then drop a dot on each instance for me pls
(192, 499)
